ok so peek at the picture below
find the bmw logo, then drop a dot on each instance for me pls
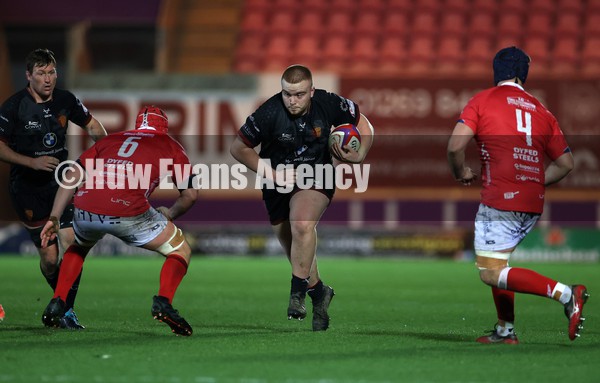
(49, 140)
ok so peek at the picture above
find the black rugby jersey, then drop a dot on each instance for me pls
(36, 130)
(286, 139)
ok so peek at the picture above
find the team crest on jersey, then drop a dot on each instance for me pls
(317, 131)
(62, 120)
(49, 140)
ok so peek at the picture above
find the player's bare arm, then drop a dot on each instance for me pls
(63, 197)
(247, 156)
(95, 129)
(182, 204)
(45, 163)
(558, 169)
(457, 145)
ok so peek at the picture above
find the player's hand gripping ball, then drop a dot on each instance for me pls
(345, 135)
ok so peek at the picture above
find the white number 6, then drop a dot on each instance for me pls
(129, 146)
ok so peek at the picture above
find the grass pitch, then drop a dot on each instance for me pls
(392, 321)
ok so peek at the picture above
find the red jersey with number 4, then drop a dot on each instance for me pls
(123, 169)
(514, 132)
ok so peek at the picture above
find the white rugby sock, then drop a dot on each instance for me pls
(564, 291)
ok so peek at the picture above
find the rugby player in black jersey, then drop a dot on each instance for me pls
(33, 139)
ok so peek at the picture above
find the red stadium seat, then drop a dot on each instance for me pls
(311, 22)
(286, 6)
(314, 5)
(538, 48)
(335, 53)
(340, 5)
(460, 6)
(307, 50)
(254, 21)
(483, 6)
(510, 25)
(479, 55)
(248, 56)
(421, 53)
(513, 6)
(282, 23)
(377, 6)
(547, 7)
(427, 6)
(592, 24)
(539, 25)
(568, 25)
(395, 24)
(450, 54)
(339, 22)
(392, 54)
(365, 49)
(565, 56)
(277, 53)
(424, 24)
(507, 41)
(592, 6)
(367, 23)
(399, 6)
(453, 23)
(482, 25)
(590, 56)
(364, 54)
(569, 6)
(257, 5)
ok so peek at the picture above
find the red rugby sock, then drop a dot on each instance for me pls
(529, 282)
(171, 274)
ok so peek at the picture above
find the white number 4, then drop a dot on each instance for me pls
(524, 128)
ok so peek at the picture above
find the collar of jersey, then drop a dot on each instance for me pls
(512, 84)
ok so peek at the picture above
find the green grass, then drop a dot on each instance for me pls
(392, 321)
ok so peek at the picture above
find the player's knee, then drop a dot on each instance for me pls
(490, 264)
(176, 243)
(302, 228)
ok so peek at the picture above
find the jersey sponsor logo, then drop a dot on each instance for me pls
(286, 137)
(524, 178)
(347, 105)
(510, 195)
(49, 140)
(527, 168)
(527, 155)
(33, 125)
(47, 113)
(521, 103)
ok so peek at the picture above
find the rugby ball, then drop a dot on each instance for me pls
(345, 135)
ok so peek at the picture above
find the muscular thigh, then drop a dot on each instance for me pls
(308, 205)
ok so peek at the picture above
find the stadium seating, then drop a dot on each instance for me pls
(423, 35)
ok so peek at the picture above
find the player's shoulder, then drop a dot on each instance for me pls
(63, 94)
(13, 102)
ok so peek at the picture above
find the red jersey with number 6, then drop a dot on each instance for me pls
(514, 133)
(123, 169)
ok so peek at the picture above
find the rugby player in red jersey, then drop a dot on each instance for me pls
(514, 133)
(115, 202)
